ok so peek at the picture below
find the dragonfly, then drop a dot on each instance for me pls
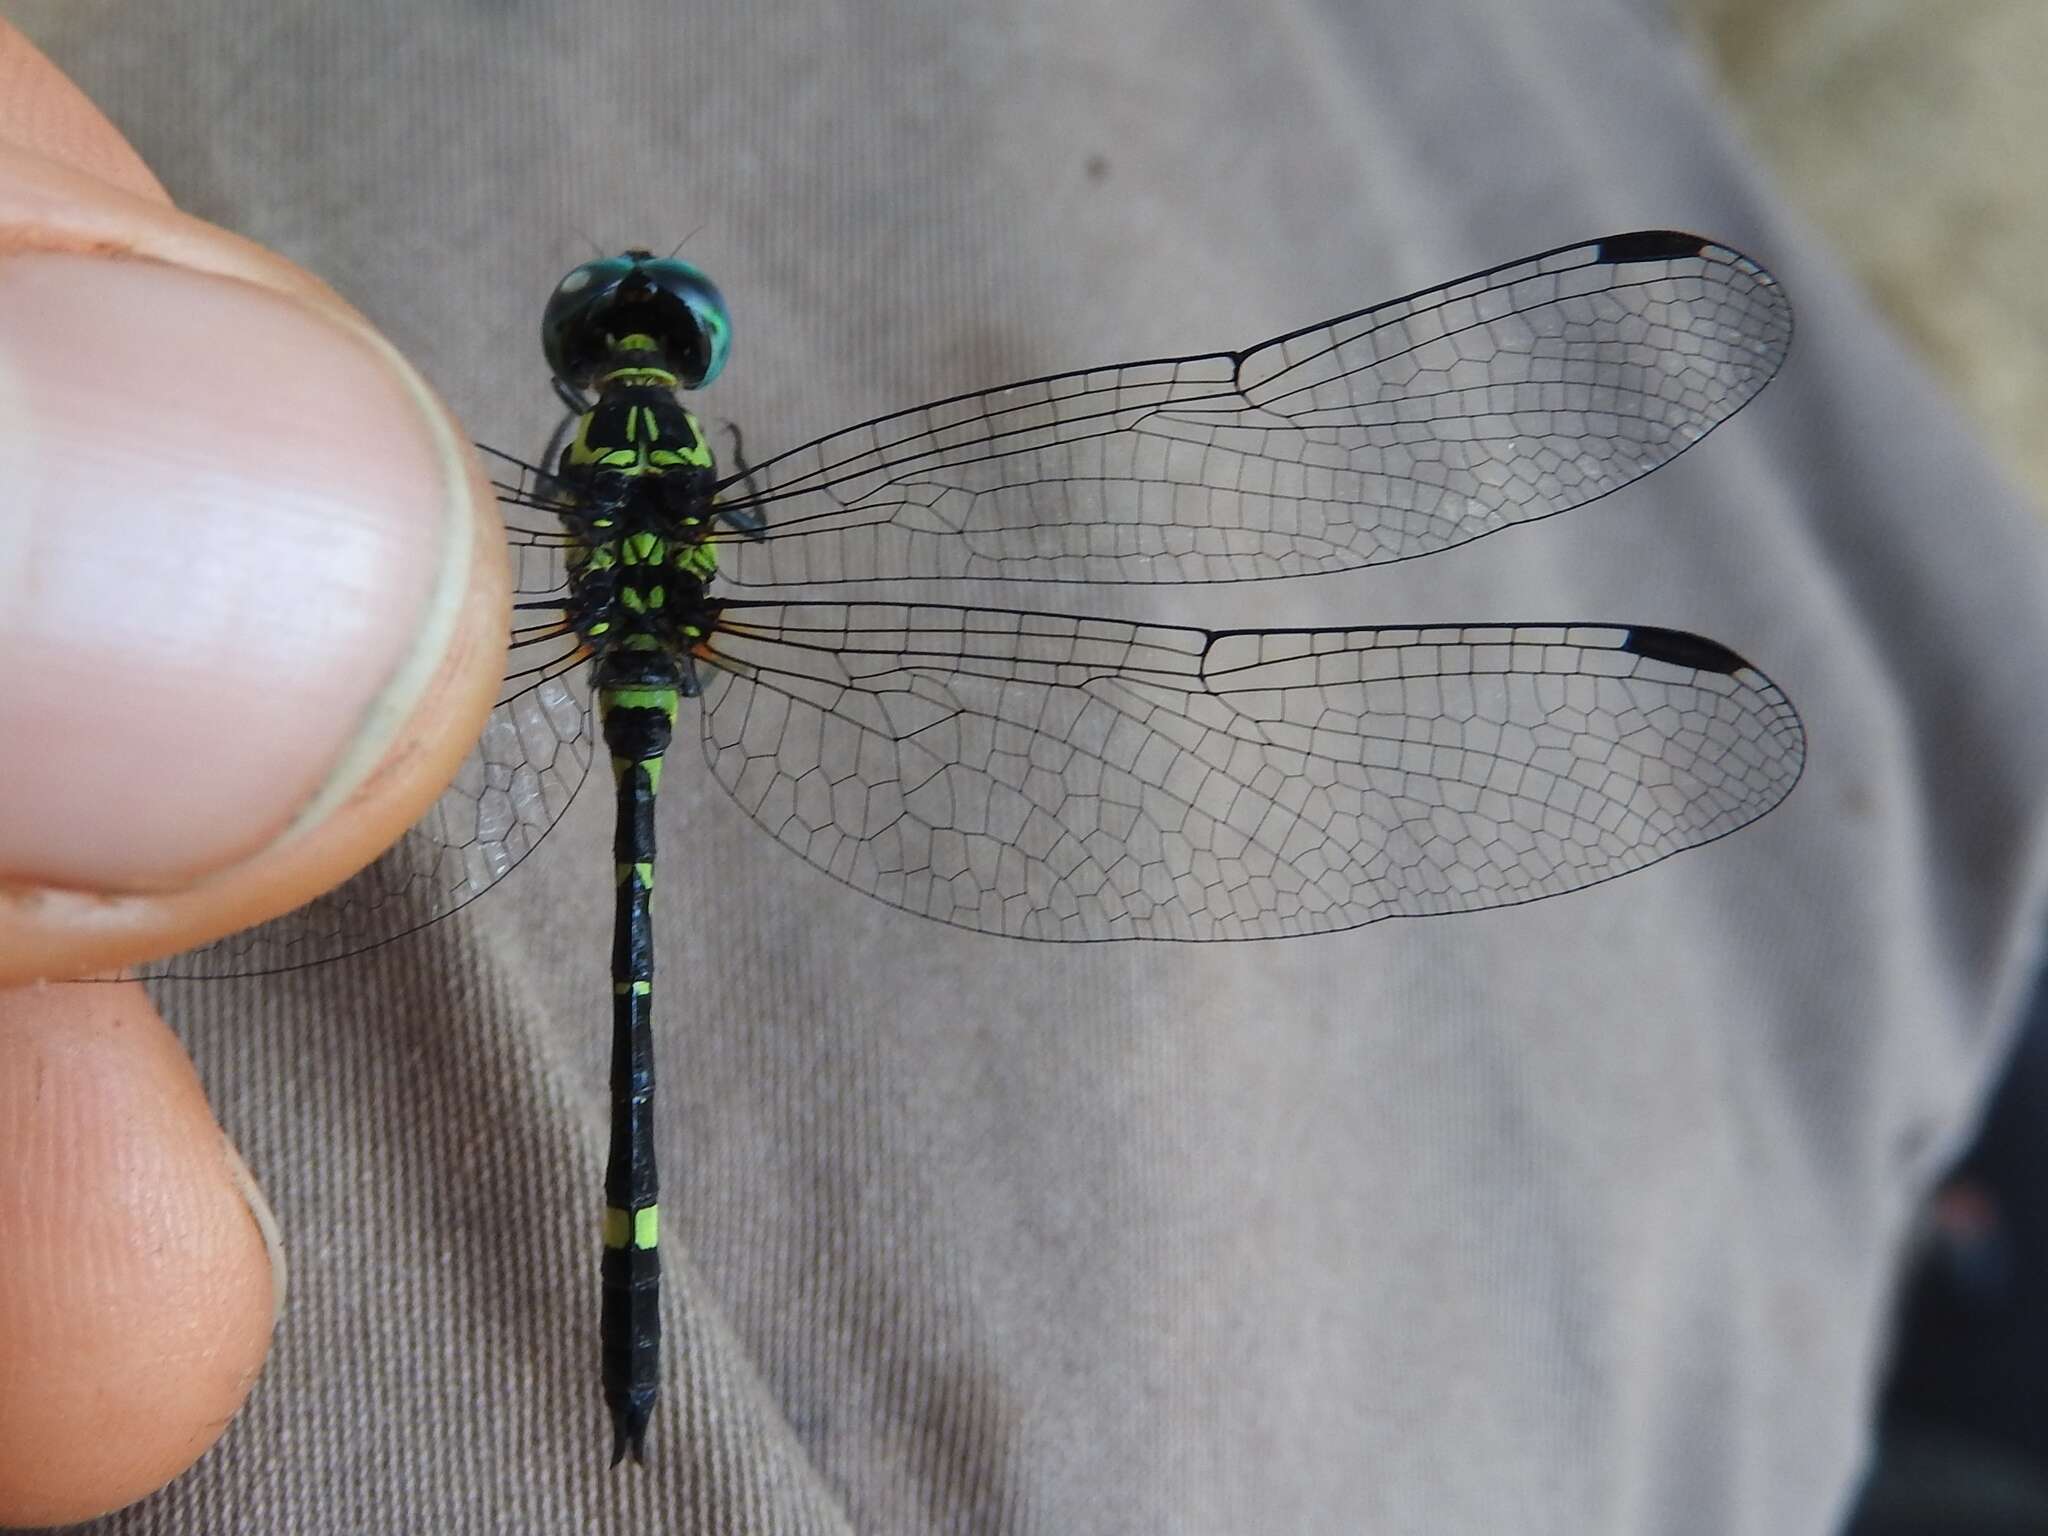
(1041, 775)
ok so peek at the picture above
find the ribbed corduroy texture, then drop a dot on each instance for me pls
(1575, 1218)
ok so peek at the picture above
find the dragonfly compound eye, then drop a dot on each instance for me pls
(602, 302)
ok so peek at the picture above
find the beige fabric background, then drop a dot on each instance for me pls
(1911, 133)
(1572, 1218)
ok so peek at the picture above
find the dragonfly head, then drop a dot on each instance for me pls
(640, 294)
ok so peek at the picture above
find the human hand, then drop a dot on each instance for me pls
(252, 611)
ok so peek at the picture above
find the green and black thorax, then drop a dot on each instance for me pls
(642, 477)
(624, 336)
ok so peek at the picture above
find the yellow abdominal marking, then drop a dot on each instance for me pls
(632, 1229)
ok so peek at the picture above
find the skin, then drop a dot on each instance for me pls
(183, 416)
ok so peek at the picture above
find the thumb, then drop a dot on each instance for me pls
(252, 600)
(251, 611)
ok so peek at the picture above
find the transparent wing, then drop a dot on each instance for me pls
(1381, 435)
(1051, 777)
(515, 784)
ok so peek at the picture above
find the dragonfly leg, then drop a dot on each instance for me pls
(551, 457)
(744, 520)
(570, 396)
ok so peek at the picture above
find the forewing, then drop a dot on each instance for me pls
(1048, 777)
(1380, 435)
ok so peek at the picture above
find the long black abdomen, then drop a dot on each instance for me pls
(636, 695)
